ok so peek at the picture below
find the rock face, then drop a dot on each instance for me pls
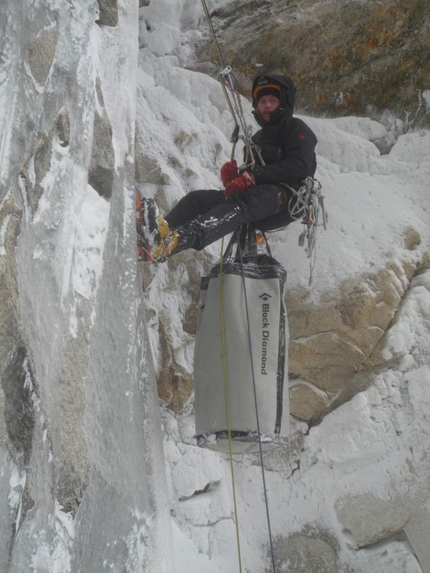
(108, 12)
(38, 163)
(335, 345)
(80, 435)
(418, 533)
(17, 421)
(350, 487)
(102, 166)
(336, 52)
(74, 394)
(370, 519)
(40, 54)
(175, 382)
(313, 551)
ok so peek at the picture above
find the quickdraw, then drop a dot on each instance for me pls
(234, 103)
(252, 151)
(307, 203)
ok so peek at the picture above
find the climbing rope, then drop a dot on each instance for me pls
(211, 28)
(227, 402)
(257, 416)
(234, 103)
(227, 80)
(251, 149)
(227, 405)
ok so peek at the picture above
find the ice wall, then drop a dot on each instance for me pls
(80, 445)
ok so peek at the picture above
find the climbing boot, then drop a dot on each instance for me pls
(166, 247)
(151, 227)
(176, 241)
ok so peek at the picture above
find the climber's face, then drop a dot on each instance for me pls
(267, 105)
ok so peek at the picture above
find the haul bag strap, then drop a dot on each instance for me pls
(245, 241)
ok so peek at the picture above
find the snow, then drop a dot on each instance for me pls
(410, 332)
(359, 183)
(86, 245)
(372, 200)
(56, 559)
(184, 125)
(3, 230)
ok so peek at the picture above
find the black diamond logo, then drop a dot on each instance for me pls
(265, 296)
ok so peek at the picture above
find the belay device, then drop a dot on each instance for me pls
(241, 351)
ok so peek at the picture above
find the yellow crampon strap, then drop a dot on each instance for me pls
(227, 402)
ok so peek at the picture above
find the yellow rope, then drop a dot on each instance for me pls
(227, 402)
(221, 291)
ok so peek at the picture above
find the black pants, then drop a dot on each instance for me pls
(208, 215)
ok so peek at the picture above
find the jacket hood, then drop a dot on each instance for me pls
(288, 92)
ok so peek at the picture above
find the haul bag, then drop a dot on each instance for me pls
(227, 346)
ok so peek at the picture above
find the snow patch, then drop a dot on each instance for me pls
(3, 231)
(91, 225)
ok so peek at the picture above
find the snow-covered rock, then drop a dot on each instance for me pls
(85, 484)
(349, 337)
(80, 440)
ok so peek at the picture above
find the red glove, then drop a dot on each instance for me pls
(239, 184)
(229, 172)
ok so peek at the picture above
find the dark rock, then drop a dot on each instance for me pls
(42, 163)
(40, 54)
(108, 12)
(344, 56)
(63, 127)
(17, 385)
(311, 551)
(102, 165)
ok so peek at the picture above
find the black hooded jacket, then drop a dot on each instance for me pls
(286, 143)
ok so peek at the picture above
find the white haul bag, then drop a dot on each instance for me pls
(241, 352)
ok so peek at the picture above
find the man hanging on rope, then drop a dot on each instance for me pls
(283, 157)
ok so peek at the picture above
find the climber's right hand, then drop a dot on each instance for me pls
(229, 172)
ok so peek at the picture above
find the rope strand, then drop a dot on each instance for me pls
(266, 500)
(227, 82)
(234, 103)
(211, 28)
(225, 74)
(227, 404)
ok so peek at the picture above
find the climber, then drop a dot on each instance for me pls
(285, 157)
